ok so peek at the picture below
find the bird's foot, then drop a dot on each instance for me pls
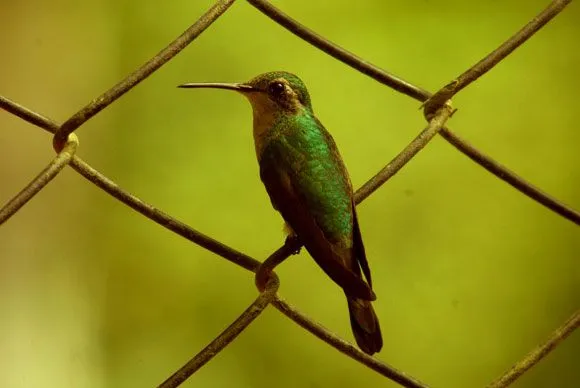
(292, 241)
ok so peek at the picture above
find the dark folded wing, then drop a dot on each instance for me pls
(288, 197)
(359, 249)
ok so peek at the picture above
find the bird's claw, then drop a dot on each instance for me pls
(292, 240)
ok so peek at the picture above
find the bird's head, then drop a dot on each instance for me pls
(276, 91)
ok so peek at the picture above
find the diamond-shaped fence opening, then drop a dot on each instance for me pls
(437, 110)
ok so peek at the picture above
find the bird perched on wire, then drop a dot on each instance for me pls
(309, 185)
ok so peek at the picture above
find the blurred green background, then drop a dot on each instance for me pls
(470, 274)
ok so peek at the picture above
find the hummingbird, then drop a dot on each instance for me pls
(307, 182)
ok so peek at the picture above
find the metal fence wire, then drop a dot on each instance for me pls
(437, 110)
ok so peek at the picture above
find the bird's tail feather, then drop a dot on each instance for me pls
(365, 325)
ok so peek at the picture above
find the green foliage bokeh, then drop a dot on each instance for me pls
(470, 274)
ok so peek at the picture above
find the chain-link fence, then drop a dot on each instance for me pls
(437, 111)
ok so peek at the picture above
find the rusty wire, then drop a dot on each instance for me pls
(437, 110)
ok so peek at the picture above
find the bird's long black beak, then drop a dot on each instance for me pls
(218, 85)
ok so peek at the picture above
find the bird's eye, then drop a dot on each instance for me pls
(276, 88)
